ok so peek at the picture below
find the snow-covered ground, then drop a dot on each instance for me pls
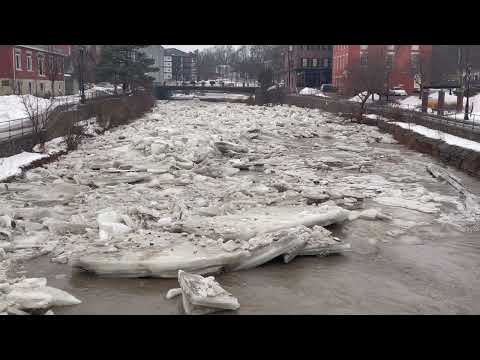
(439, 135)
(312, 91)
(12, 108)
(12, 166)
(414, 103)
(358, 98)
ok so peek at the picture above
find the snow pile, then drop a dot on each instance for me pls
(439, 135)
(12, 166)
(11, 106)
(410, 102)
(51, 147)
(358, 98)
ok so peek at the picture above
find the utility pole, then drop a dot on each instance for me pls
(81, 75)
(468, 74)
(290, 49)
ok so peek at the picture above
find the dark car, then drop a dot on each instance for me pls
(193, 82)
(212, 83)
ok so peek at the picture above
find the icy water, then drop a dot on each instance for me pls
(431, 269)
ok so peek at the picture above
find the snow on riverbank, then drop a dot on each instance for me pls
(12, 108)
(12, 166)
(439, 135)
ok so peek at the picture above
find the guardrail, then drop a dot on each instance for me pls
(13, 129)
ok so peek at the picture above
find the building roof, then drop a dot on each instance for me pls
(175, 52)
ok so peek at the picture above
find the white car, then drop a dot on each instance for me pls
(398, 91)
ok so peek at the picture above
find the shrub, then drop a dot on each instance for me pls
(74, 136)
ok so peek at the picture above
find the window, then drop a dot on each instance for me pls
(391, 47)
(363, 59)
(304, 62)
(389, 61)
(29, 62)
(5, 82)
(325, 62)
(41, 71)
(363, 47)
(309, 62)
(314, 62)
(18, 60)
(415, 60)
(415, 47)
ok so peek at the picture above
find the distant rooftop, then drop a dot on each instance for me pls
(175, 52)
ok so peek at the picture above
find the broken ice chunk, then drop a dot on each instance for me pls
(203, 295)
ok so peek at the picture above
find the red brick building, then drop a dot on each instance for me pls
(30, 69)
(402, 63)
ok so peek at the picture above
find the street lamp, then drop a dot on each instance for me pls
(290, 49)
(468, 76)
(81, 75)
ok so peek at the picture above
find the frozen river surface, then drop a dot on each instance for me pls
(165, 169)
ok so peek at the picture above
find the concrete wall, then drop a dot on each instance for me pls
(463, 159)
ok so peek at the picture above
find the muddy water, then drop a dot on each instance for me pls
(431, 269)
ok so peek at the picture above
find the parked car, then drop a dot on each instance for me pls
(397, 91)
(212, 83)
(328, 88)
(193, 82)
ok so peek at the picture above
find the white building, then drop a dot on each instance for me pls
(156, 52)
(167, 68)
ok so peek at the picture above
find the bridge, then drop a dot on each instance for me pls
(162, 91)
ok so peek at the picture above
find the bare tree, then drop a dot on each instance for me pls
(38, 112)
(53, 67)
(368, 77)
(420, 67)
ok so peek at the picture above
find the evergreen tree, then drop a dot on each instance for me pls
(126, 65)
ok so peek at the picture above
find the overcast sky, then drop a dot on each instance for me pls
(189, 47)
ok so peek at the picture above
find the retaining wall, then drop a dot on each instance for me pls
(463, 159)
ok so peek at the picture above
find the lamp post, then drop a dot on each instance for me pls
(290, 49)
(468, 76)
(81, 75)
